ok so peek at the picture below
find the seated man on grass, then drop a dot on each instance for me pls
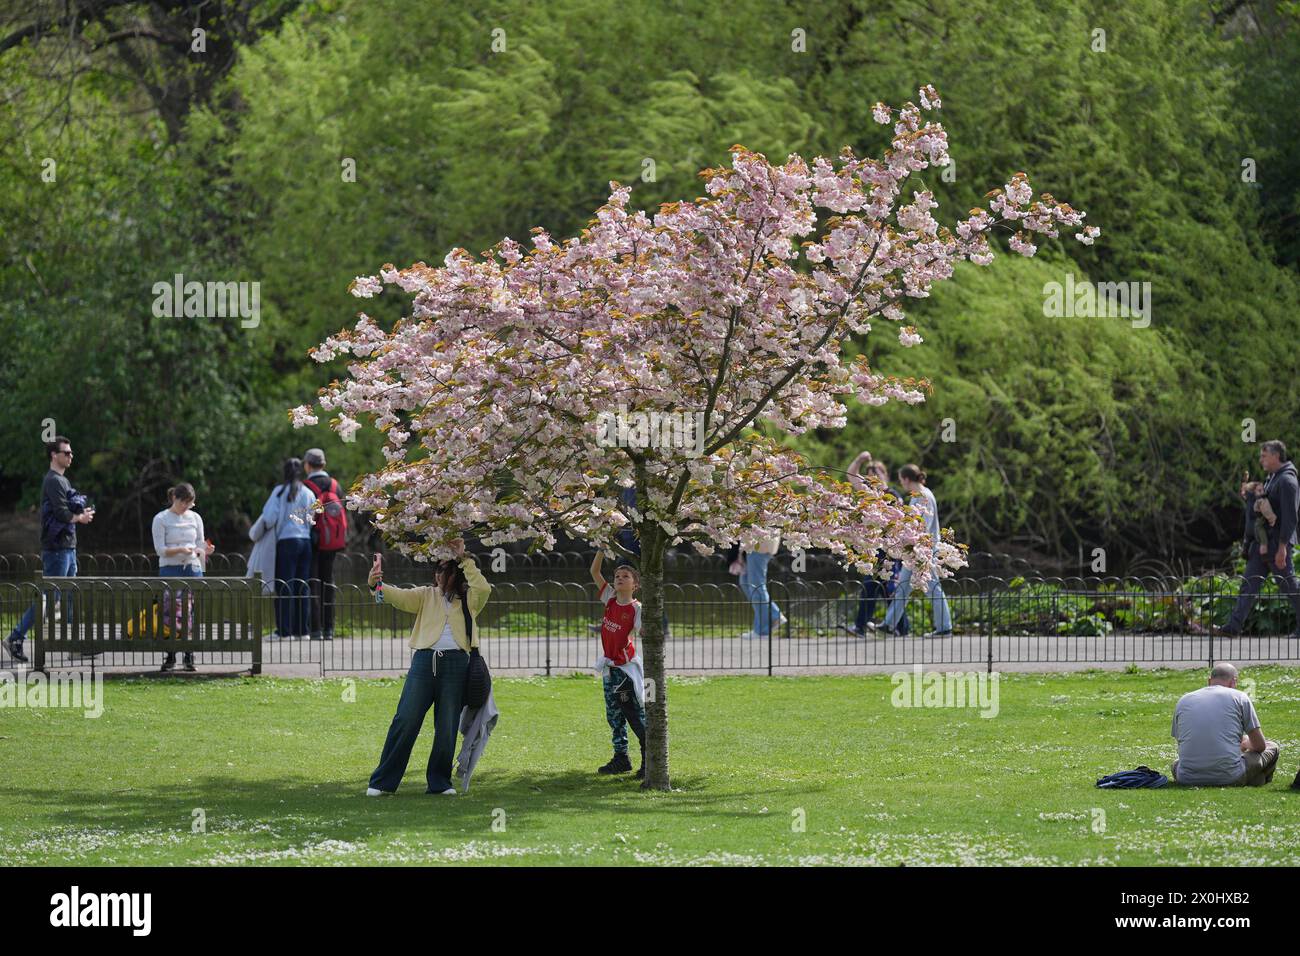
(1219, 740)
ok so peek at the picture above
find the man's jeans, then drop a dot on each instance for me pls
(1257, 567)
(61, 563)
(436, 679)
(938, 603)
(873, 590)
(754, 585)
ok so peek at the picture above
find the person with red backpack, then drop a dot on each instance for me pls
(329, 536)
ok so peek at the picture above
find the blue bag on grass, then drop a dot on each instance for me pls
(1133, 779)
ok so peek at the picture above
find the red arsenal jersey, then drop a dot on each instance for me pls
(620, 623)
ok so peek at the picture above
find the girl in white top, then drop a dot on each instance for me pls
(182, 553)
(178, 532)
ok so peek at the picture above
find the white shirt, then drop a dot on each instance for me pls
(924, 502)
(447, 642)
(171, 530)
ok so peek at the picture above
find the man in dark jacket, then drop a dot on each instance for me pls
(61, 511)
(1283, 492)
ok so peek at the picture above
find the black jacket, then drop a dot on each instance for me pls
(58, 531)
(1283, 492)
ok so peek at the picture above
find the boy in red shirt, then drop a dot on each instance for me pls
(619, 666)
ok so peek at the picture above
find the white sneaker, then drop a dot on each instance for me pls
(372, 792)
(748, 636)
(782, 621)
(449, 792)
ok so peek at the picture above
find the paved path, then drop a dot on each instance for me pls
(526, 656)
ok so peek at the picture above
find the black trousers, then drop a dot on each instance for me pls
(322, 591)
(1258, 567)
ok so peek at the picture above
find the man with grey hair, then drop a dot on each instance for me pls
(1220, 743)
(1282, 489)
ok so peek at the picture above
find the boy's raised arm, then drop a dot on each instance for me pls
(595, 571)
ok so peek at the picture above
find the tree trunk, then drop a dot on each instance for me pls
(652, 637)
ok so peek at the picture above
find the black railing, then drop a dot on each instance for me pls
(539, 566)
(546, 627)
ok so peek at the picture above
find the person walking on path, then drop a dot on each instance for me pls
(62, 509)
(922, 498)
(288, 511)
(441, 639)
(329, 537)
(1282, 490)
(753, 582)
(873, 589)
(183, 552)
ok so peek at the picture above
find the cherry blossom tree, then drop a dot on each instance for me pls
(514, 396)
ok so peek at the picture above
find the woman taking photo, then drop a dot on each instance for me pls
(182, 553)
(439, 667)
(289, 512)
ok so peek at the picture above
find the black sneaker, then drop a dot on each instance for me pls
(188, 664)
(620, 764)
(15, 649)
(168, 664)
(1295, 784)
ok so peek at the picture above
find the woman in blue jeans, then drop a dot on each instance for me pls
(753, 583)
(442, 637)
(182, 551)
(922, 498)
(289, 511)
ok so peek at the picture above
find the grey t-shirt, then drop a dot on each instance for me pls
(1209, 724)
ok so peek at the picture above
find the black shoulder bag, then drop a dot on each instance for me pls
(478, 680)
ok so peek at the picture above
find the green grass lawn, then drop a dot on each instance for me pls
(278, 768)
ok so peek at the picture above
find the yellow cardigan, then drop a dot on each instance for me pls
(430, 609)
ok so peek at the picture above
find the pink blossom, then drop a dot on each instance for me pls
(366, 287)
(733, 308)
(302, 416)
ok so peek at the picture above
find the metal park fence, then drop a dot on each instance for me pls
(550, 626)
(352, 567)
